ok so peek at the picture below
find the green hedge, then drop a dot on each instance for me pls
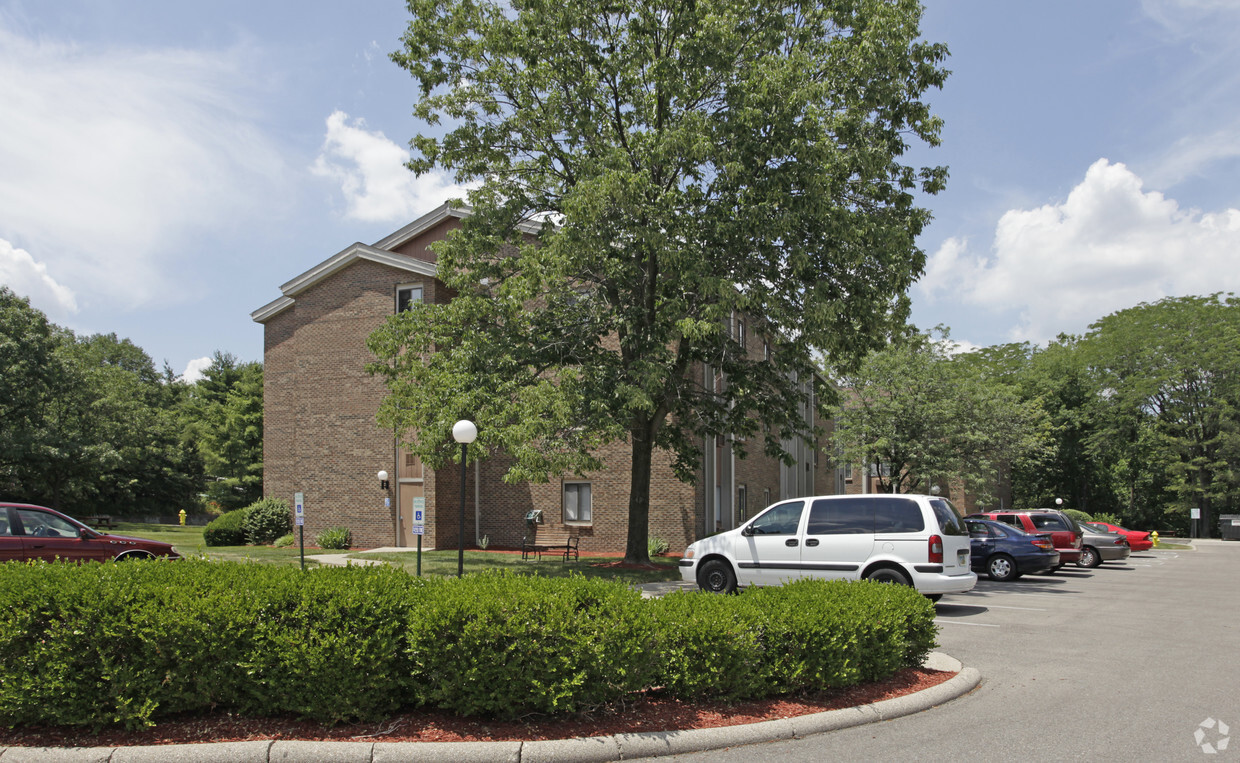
(127, 643)
(801, 636)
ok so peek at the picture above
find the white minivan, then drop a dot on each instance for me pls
(915, 540)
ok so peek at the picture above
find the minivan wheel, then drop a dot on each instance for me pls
(1089, 557)
(716, 576)
(888, 575)
(1001, 568)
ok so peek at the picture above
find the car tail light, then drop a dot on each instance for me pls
(936, 549)
(1121, 541)
(1044, 543)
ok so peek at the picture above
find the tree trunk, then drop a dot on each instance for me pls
(637, 550)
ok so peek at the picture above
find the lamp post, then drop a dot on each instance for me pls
(463, 432)
(1059, 503)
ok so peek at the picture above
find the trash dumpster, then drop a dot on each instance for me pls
(1229, 526)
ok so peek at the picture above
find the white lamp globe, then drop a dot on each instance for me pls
(464, 431)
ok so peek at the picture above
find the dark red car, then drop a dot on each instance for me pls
(1137, 541)
(37, 532)
(1066, 534)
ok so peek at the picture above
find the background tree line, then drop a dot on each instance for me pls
(1139, 417)
(90, 425)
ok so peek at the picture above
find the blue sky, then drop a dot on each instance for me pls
(164, 167)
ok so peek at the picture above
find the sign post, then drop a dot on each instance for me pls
(1195, 516)
(299, 514)
(418, 526)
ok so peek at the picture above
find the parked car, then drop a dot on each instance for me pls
(1064, 530)
(1137, 541)
(1005, 553)
(1098, 546)
(37, 532)
(914, 540)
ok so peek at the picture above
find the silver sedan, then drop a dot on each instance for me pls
(1098, 547)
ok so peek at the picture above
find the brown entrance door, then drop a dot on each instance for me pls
(412, 496)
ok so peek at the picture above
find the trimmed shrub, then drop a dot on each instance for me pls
(1078, 515)
(122, 644)
(509, 646)
(1111, 519)
(284, 541)
(337, 537)
(808, 635)
(226, 529)
(265, 520)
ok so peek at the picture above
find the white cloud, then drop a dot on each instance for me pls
(27, 278)
(1110, 245)
(111, 159)
(371, 171)
(193, 370)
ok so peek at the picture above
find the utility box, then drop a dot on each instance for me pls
(1229, 526)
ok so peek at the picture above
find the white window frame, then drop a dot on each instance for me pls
(409, 287)
(564, 503)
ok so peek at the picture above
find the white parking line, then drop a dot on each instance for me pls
(957, 622)
(1026, 609)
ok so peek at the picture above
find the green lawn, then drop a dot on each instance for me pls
(189, 542)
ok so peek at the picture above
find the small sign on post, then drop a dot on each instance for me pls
(418, 525)
(299, 515)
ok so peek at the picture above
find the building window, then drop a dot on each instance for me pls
(742, 502)
(407, 297)
(740, 333)
(766, 497)
(577, 503)
(766, 350)
(848, 472)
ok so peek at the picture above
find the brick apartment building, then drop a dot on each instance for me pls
(321, 438)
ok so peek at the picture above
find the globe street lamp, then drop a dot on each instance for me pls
(463, 432)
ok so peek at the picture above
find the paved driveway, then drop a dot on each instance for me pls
(1122, 662)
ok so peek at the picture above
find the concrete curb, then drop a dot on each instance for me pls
(578, 750)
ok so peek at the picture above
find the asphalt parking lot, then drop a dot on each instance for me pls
(1123, 662)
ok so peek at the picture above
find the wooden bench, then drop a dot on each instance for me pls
(102, 520)
(560, 542)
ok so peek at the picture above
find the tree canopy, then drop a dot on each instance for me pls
(917, 415)
(91, 426)
(646, 175)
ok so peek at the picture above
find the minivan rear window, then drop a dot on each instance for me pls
(950, 522)
(898, 515)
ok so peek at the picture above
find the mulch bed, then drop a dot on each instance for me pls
(650, 713)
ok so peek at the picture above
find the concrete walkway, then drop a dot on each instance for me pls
(580, 750)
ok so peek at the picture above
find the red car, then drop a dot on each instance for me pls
(37, 532)
(1137, 541)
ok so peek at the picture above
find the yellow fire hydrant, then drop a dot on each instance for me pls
(182, 515)
(1153, 536)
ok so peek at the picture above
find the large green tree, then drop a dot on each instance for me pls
(88, 424)
(223, 419)
(917, 414)
(1168, 376)
(645, 174)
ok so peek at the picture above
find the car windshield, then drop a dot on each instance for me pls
(950, 522)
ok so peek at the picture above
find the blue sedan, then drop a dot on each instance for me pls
(1005, 553)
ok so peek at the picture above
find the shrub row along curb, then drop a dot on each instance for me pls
(127, 643)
